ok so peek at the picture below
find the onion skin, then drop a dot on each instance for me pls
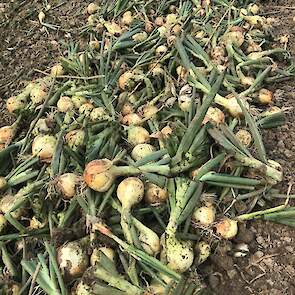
(92, 8)
(125, 80)
(72, 260)
(244, 137)
(99, 114)
(3, 183)
(98, 176)
(44, 146)
(265, 96)
(214, 116)
(227, 228)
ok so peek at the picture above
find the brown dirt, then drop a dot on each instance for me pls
(269, 266)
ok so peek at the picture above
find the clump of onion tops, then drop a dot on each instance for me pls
(44, 146)
(204, 215)
(155, 195)
(68, 184)
(72, 259)
(227, 228)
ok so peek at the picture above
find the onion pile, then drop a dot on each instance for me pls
(150, 130)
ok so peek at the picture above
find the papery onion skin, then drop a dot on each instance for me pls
(75, 139)
(6, 134)
(131, 119)
(97, 175)
(244, 136)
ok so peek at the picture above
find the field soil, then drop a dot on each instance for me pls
(269, 268)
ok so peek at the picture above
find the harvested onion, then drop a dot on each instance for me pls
(265, 96)
(245, 137)
(131, 119)
(96, 254)
(15, 104)
(137, 135)
(67, 184)
(155, 195)
(204, 250)
(57, 70)
(78, 101)
(92, 8)
(227, 228)
(142, 150)
(65, 104)
(204, 215)
(99, 114)
(214, 116)
(44, 146)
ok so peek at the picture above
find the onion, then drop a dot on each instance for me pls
(157, 70)
(75, 139)
(35, 223)
(227, 228)
(130, 191)
(78, 101)
(214, 116)
(92, 8)
(91, 20)
(142, 150)
(42, 127)
(159, 21)
(204, 215)
(3, 183)
(7, 202)
(244, 137)
(185, 102)
(179, 255)
(235, 37)
(72, 260)
(98, 175)
(67, 184)
(39, 92)
(94, 44)
(176, 30)
(161, 50)
(140, 37)
(155, 288)
(15, 104)
(253, 8)
(113, 28)
(127, 18)
(246, 81)
(150, 241)
(230, 103)
(3, 223)
(182, 73)
(149, 111)
(137, 135)
(65, 104)
(131, 119)
(148, 27)
(253, 47)
(162, 31)
(265, 96)
(86, 108)
(204, 251)
(125, 80)
(255, 20)
(155, 195)
(171, 19)
(6, 134)
(96, 254)
(99, 114)
(57, 70)
(127, 108)
(44, 146)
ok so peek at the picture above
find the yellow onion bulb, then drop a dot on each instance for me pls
(245, 137)
(7, 202)
(125, 80)
(94, 44)
(137, 135)
(98, 175)
(130, 191)
(159, 21)
(3, 183)
(99, 114)
(44, 146)
(178, 254)
(253, 8)
(140, 37)
(127, 18)
(41, 127)
(235, 37)
(162, 31)
(91, 20)
(149, 111)
(141, 150)
(72, 259)
(38, 93)
(204, 215)
(57, 70)
(65, 104)
(92, 8)
(227, 228)
(67, 184)
(150, 242)
(113, 28)
(161, 50)
(204, 250)
(131, 119)
(247, 81)
(171, 19)
(15, 104)
(156, 288)
(214, 116)
(75, 139)
(127, 108)
(78, 101)
(148, 27)
(96, 254)
(185, 102)
(6, 134)
(155, 195)
(86, 108)
(265, 96)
